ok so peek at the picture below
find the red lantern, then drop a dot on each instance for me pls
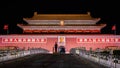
(114, 27)
(5, 27)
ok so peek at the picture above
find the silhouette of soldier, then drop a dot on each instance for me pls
(56, 46)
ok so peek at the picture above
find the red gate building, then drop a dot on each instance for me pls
(68, 30)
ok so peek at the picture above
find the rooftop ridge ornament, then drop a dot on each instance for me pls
(88, 13)
(35, 13)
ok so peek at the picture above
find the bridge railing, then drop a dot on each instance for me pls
(22, 53)
(108, 61)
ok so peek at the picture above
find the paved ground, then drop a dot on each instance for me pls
(50, 61)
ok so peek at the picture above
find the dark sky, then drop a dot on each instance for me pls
(25, 8)
(12, 11)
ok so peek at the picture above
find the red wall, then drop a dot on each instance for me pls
(70, 41)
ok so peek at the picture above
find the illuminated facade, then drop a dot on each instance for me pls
(68, 41)
(61, 23)
(66, 30)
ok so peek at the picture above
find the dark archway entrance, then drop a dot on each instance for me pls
(61, 49)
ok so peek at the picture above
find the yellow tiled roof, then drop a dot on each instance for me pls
(61, 16)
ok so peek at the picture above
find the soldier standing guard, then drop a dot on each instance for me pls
(56, 46)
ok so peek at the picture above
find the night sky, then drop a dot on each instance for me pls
(12, 11)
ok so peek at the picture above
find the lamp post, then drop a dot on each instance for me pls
(114, 28)
(6, 28)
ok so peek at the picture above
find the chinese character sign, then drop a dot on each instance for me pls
(98, 40)
(24, 40)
